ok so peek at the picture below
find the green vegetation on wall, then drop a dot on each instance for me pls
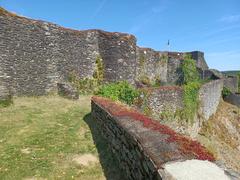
(83, 85)
(99, 71)
(164, 58)
(189, 69)
(191, 88)
(190, 100)
(6, 102)
(226, 92)
(120, 91)
(89, 85)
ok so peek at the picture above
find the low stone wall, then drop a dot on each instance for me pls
(210, 95)
(231, 83)
(145, 149)
(233, 99)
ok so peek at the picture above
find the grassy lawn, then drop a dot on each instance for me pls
(52, 138)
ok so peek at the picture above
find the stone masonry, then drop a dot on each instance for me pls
(144, 147)
(36, 55)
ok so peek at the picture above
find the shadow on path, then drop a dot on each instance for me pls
(108, 161)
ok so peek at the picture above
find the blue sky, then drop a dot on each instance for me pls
(212, 26)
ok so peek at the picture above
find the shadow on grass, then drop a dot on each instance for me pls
(108, 161)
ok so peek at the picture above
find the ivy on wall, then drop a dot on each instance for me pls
(89, 85)
(99, 71)
(191, 88)
(189, 69)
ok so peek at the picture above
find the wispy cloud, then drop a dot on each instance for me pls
(230, 18)
(99, 8)
(146, 18)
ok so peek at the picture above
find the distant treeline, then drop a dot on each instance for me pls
(231, 72)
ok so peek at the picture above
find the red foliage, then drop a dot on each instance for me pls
(186, 145)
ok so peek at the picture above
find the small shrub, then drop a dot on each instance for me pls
(167, 115)
(121, 91)
(226, 92)
(145, 80)
(99, 71)
(88, 85)
(157, 81)
(83, 85)
(164, 58)
(6, 102)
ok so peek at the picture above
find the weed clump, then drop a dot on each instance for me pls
(120, 91)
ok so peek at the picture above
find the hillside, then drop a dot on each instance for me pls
(221, 135)
(230, 72)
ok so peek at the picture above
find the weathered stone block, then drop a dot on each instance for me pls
(233, 99)
(5, 96)
(67, 90)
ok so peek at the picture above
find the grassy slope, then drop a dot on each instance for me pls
(39, 137)
(221, 134)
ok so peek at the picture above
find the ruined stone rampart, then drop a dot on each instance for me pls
(152, 64)
(143, 147)
(118, 52)
(210, 95)
(231, 82)
(36, 55)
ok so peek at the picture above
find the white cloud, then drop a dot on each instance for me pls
(230, 18)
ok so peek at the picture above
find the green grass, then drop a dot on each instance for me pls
(39, 137)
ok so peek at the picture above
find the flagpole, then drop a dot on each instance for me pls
(168, 45)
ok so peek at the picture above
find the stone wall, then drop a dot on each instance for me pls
(233, 99)
(144, 148)
(165, 104)
(170, 99)
(166, 99)
(210, 95)
(174, 75)
(211, 74)
(118, 52)
(200, 60)
(231, 82)
(36, 55)
(151, 64)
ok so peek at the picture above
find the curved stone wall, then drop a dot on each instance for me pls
(145, 149)
(210, 95)
(36, 55)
